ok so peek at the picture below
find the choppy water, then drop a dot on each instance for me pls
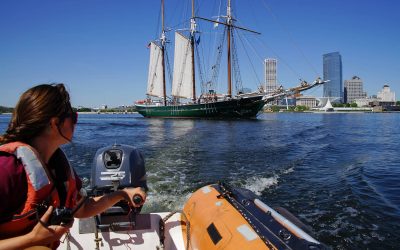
(339, 173)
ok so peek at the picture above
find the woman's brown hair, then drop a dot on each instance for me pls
(33, 112)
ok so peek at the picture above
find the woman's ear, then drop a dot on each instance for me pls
(54, 123)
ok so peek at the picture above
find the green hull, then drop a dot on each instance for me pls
(247, 107)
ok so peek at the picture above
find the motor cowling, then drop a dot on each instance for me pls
(116, 167)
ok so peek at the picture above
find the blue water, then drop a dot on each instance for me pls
(339, 173)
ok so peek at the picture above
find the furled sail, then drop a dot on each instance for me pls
(155, 77)
(182, 84)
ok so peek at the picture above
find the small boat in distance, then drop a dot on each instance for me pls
(183, 101)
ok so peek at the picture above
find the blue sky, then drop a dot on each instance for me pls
(98, 48)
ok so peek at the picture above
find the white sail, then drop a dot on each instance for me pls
(182, 84)
(155, 78)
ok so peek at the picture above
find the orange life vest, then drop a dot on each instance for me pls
(41, 189)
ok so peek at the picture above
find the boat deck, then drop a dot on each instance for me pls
(121, 235)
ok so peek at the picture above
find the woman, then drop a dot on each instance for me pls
(35, 176)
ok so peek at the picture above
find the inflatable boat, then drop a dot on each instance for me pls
(216, 216)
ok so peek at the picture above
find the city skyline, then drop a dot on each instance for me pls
(99, 50)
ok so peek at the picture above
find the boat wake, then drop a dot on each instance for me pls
(258, 184)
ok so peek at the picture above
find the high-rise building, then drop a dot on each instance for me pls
(353, 89)
(333, 72)
(270, 75)
(385, 95)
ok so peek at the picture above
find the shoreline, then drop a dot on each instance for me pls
(102, 113)
(285, 112)
(91, 113)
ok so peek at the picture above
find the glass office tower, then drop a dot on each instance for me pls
(333, 72)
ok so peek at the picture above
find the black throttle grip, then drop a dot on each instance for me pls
(137, 199)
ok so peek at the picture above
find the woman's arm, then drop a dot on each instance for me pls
(97, 205)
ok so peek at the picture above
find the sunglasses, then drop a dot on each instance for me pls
(72, 115)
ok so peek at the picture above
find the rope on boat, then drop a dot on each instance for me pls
(162, 229)
(68, 240)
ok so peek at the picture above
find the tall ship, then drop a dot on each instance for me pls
(183, 101)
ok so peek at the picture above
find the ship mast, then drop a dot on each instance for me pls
(230, 26)
(163, 40)
(192, 31)
(228, 33)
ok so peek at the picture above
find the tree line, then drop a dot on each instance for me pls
(6, 109)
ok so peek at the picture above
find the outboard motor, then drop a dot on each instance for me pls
(116, 167)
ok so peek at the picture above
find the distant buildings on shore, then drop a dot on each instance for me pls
(386, 95)
(351, 94)
(307, 101)
(353, 90)
(104, 108)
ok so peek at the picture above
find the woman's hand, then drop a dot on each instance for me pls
(42, 234)
(130, 193)
(99, 204)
